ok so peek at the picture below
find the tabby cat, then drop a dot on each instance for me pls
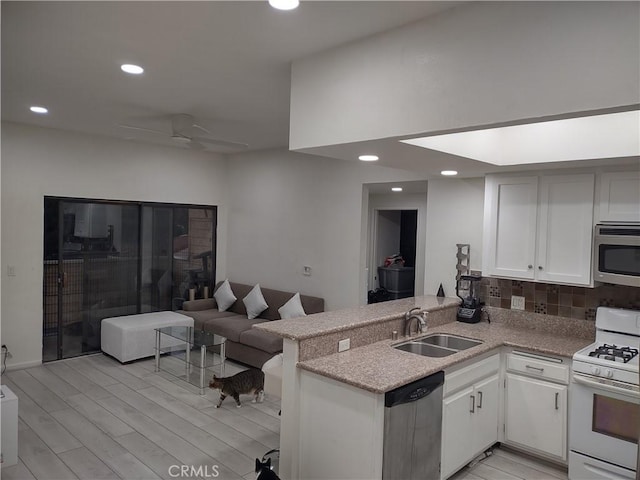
(263, 469)
(246, 382)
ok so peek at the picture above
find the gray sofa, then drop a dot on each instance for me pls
(245, 344)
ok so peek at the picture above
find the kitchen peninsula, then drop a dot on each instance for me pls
(353, 382)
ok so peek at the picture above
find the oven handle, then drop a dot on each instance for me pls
(584, 380)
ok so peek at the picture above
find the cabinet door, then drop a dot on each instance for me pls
(566, 229)
(510, 226)
(457, 429)
(620, 197)
(486, 414)
(535, 415)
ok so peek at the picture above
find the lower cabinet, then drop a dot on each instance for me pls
(470, 414)
(536, 415)
(536, 405)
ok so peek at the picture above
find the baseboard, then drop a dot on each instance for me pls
(20, 366)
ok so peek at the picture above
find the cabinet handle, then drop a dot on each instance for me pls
(473, 404)
(538, 369)
(479, 400)
(557, 396)
(539, 267)
(529, 267)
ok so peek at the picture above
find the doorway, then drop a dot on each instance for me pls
(395, 224)
(105, 259)
(395, 257)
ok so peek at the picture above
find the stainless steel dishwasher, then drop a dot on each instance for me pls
(412, 430)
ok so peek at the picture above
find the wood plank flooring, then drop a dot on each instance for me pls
(506, 464)
(92, 418)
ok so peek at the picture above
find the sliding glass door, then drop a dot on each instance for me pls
(106, 259)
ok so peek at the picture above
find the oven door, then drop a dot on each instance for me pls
(604, 420)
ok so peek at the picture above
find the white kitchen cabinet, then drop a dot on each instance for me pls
(457, 423)
(565, 229)
(535, 408)
(511, 205)
(619, 197)
(470, 415)
(539, 227)
(487, 398)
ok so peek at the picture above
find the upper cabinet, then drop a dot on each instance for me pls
(511, 205)
(620, 197)
(539, 227)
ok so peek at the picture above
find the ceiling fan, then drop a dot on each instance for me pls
(183, 127)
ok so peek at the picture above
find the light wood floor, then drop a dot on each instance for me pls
(505, 464)
(95, 419)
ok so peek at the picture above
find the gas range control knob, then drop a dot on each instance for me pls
(609, 373)
(595, 370)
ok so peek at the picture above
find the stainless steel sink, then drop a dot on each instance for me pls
(425, 349)
(450, 341)
(437, 345)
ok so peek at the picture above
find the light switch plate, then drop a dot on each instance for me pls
(344, 345)
(517, 302)
(306, 270)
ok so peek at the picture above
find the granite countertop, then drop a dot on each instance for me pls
(339, 320)
(380, 368)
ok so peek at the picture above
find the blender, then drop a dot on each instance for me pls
(470, 311)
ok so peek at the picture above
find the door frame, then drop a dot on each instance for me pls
(409, 201)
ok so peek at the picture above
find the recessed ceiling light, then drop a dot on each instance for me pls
(284, 4)
(132, 69)
(449, 173)
(37, 109)
(396, 189)
(368, 158)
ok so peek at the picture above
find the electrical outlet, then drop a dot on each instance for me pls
(306, 270)
(344, 345)
(11, 271)
(517, 302)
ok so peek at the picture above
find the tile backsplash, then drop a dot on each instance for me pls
(560, 300)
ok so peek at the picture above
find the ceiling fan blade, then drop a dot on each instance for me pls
(133, 127)
(200, 127)
(222, 143)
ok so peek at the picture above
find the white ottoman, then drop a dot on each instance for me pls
(133, 336)
(272, 370)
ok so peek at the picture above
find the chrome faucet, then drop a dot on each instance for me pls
(421, 321)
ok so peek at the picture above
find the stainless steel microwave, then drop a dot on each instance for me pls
(617, 254)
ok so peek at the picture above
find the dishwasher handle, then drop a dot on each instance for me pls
(414, 391)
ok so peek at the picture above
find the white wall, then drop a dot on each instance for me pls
(38, 162)
(288, 210)
(455, 213)
(278, 211)
(388, 235)
(476, 64)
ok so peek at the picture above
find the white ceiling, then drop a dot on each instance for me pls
(226, 63)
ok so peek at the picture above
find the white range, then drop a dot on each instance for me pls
(604, 422)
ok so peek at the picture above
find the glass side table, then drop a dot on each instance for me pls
(180, 362)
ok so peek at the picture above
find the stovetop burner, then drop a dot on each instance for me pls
(614, 353)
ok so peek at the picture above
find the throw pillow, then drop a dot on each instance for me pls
(224, 296)
(255, 303)
(293, 308)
